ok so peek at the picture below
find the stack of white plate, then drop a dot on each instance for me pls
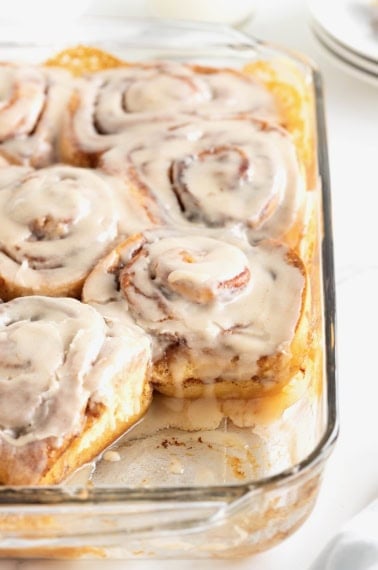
(347, 30)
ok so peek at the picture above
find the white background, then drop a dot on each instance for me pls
(351, 479)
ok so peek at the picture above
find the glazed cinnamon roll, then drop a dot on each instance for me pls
(295, 104)
(226, 318)
(135, 100)
(55, 223)
(32, 100)
(60, 411)
(217, 173)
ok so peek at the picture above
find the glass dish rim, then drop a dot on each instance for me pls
(86, 494)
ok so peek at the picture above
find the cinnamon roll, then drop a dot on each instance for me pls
(59, 412)
(117, 104)
(32, 100)
(226, 318)
(294, 101)
(55, 225)
(217, 173)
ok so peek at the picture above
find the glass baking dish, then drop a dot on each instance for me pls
(220, 489)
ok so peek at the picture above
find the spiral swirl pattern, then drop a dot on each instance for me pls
(118, 104)
(216, 173)
(208, 299)
(55, 224)
(46, 397)
(32, 100)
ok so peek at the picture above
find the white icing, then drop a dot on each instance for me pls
(186, 137)
(133, 217)
(215, 292)
(216, 172)
(55, 224)
(21, 99)
(55, 355)
(115, 103)
(32, 100)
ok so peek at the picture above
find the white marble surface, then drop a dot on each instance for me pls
(351, 479)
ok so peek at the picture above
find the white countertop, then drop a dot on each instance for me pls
(351, 479)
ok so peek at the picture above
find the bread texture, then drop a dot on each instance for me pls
(55, 223)
(221, 163)
(202, 323)
(91, 406)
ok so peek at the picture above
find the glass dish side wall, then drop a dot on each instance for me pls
(220, 521)
(258, 520)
